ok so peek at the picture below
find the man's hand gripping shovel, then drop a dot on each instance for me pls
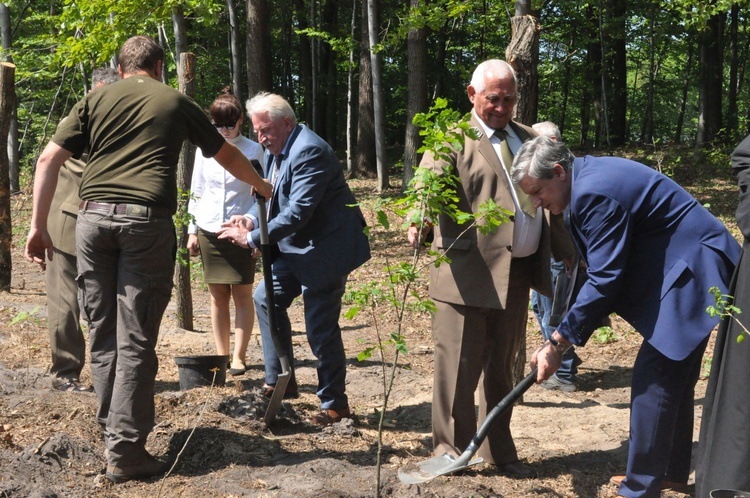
(265, 250)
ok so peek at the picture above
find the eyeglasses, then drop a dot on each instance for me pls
(229, 127)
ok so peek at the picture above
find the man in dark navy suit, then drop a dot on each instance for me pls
(652, 252)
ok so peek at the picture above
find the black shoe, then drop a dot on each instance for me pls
(149, 466)
(237, 371)
(73, 386)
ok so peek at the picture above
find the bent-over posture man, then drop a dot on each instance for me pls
(652, 252)
(125, 238)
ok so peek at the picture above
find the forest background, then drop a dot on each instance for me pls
(609, 72)
(667, 78)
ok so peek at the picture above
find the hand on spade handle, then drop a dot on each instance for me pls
(265, 250)
(548, 358)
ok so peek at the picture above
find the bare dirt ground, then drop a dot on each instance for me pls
(50, 444)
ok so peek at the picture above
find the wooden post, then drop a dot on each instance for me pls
(7, 104)
(183, 293)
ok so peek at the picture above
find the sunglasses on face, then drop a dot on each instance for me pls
(229, 127)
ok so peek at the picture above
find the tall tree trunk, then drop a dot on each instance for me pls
(687, 81)
(732, 119)
(234, 48)
(180, 38)
(13, 159)
(328, 90)
(373, 17)
(305, 51)
(7, 104)
(647, 128)
(523, 54)
(416, 46)
(350, 95)
(183, 294)
(365, 159)
(710, 81)
(258, 47)
(617, 71)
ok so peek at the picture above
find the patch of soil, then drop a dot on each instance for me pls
(50, 444)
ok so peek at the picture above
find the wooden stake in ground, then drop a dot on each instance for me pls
(7, 103)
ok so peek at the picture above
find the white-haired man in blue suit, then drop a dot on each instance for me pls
(317, 238)
(653, 252)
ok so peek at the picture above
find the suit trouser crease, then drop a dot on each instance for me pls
(125, 268)
(322, 307)
(67, 343)
(661, 420)
(472, 344)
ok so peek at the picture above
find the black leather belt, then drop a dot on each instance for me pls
(134, 210)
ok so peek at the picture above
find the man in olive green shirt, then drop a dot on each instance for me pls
(125, 238)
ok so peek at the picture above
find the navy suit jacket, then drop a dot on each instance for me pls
(652, 252)
(312, 220)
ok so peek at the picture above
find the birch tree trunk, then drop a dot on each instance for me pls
(377, 94)
(234, 48)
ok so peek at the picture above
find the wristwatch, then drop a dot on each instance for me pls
(557, 345)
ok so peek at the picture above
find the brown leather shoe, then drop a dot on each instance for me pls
(330, 416)
(149, 466)
(516, 470)
(674, 486)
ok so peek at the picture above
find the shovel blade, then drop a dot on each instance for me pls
(435, 467)
(277, 397)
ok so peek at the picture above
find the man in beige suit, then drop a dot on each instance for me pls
(482, 296)
(66, 339)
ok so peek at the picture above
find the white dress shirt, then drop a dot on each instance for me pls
(216, 195)
(527, 231)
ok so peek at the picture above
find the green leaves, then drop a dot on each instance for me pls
(725, 309)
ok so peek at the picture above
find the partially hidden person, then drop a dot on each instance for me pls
(228, 270)
(724, 444)
(66, 338)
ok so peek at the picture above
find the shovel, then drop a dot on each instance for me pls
(265, 249)
(447, 464)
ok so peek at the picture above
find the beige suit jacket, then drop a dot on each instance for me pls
(480, 264)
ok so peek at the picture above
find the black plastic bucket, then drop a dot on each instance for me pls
(197, 371)
(729, 493)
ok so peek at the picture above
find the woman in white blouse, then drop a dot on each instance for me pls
(228, 270)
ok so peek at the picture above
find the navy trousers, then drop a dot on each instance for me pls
(661, 420)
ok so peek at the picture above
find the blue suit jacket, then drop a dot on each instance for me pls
(652, 251)
(311, 217)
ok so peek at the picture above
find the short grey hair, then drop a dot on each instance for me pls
(537, 157)
(548, 129)
(497, 66)
(275, 105)
(104, 76)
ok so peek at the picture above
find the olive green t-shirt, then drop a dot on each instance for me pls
(134, 129)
